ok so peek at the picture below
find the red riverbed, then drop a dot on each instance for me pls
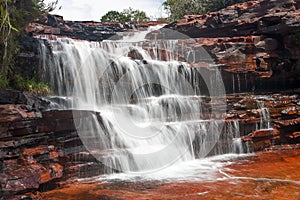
(270, 175)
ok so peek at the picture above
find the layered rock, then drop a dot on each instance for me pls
(38, 148)
(83, 30)
(262, 17)
(256, 42)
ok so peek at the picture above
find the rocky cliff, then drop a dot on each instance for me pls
(257, 42)
(39, 149)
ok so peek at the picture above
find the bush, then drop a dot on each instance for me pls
(3, 82)
(30, 85)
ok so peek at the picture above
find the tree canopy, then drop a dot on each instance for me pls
(178, 8)
(127, 15)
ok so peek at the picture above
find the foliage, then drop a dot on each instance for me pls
(3, 82)
(112, 16)
(127, 15)
(177, 9)
(14, 16)
(24, 84)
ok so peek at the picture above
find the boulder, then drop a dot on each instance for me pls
(135, 54)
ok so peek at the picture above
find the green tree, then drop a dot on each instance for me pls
(132, 15)
(176, 9)
(112, 16)
(127, 15)
(15, 15)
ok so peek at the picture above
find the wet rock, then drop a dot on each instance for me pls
(243, 116)
(12, 97)
(37, 151)
(287, 123)
(263, 133)
(135, 55)
(271, 44)
(289, 111)
(52, 20)
(295, 135)
(261, 145)
(12, 112)
(20, 177)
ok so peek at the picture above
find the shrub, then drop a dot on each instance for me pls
(30, 85)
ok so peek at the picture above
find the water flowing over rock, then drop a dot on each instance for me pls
(130, 105)
(45, 148)
(163, 111)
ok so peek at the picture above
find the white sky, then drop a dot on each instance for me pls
(94, 9)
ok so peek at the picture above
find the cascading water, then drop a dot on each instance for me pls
(264, 116)
(148, 112)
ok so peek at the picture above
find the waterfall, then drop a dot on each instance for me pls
(149, 113)
(239, 82)
(230, 140)
(264, 116)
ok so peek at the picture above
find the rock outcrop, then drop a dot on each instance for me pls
(83, 30)
(257, 43)
(39, 148)
(261, 17)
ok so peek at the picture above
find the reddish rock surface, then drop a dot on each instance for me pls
(266, 175)
(38, 148)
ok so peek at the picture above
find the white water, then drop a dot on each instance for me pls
(264, 116)
(140, 36)
(205, 169)
(149, 110)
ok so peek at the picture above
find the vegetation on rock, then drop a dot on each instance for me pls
(30, 85)
(14, 16)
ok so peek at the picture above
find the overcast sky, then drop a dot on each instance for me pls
(94, 9)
